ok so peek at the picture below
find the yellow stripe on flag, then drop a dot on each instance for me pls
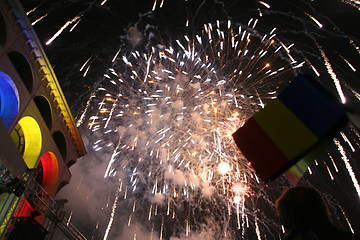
(288, 132)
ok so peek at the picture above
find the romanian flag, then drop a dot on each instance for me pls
(291, 130)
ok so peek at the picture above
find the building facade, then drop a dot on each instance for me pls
(39, 140)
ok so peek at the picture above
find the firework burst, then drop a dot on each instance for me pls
(167, 116)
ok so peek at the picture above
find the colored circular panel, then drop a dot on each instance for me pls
(50, 171)
(9, 100)
(33, 140)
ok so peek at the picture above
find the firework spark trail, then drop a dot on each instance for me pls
(347, 141)
(76, 18)
(333, 162)
(348, 63)
(347, 220)
(315, 20)
(265, 4)
(38, 20)
(82, 117)
(82, 67)
(333, 75)
(112, 212)
(353, 3)
(257, 229)
(348, 166)
(313, 68)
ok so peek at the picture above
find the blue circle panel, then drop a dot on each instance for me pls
(9, 100)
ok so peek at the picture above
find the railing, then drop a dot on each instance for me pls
(39, 199)
(52, 210)
(70, 230)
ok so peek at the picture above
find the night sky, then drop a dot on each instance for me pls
(104, 28)
(125, 27)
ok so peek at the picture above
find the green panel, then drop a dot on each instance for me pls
(300, 168)
(8, 203)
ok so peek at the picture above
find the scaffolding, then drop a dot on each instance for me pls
(28, 190)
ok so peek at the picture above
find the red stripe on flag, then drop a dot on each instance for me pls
(260, 150)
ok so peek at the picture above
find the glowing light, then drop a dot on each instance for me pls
(240, 189)
(224, 168)
(237, 199)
